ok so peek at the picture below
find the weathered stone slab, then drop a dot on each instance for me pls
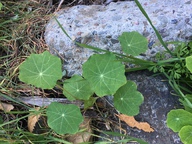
(158, 101)
(100, 26)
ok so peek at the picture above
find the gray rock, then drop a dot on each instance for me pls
(100, 26)
(158, 101)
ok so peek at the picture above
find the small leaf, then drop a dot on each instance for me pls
(127, 99)
(130, 120)
(176, 119)
(186, 134)
(6, 107)
(189, 63)
(133, 43)
(104, 73)
(64, 119)
(33, 119)
(41, 70)
(77, 88)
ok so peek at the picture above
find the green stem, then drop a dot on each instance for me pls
(185, 89)
(175, 86)
(170, 60)
(136, 68)
(137, 61)
(62, 28)
(188, 102)
(15, 120)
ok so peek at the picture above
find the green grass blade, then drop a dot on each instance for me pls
(62, 28)
(15, 100)
(58, 140)
(156, 32)
(91, 47)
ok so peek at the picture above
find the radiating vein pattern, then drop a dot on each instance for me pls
(104, 73)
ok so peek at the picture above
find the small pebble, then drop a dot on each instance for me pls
(174, 21)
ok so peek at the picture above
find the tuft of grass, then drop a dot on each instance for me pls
(22, 25)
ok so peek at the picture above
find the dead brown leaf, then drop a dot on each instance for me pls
(6, 107)
(130, 120)
(84, 136)
(33, 119)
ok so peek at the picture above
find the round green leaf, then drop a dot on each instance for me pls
(176, 119)
(104, 73)
(133, 43)
(186, 134)
(64, 119)
(77, 88)
(41, 70)
(189, 63)
(127, 99)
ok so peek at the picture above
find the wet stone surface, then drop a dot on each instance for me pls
(100, 26)
(158, 101)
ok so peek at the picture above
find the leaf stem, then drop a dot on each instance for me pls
(175, 86)
(170, 60)
(136, 68)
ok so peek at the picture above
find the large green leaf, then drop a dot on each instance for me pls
(41, 70)
(77, 88)
(104, 73)
(133, 43)
(64, 119)
(127, 99)
(176, 119)
(186, 134)
(189, 63)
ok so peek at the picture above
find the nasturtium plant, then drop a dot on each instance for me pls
(64, 119)
(133, 43)
(77, 88)
(189, 63)
(186, 134)
(104, 73)
(127, 99)
(41, 70)
(178, 118)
